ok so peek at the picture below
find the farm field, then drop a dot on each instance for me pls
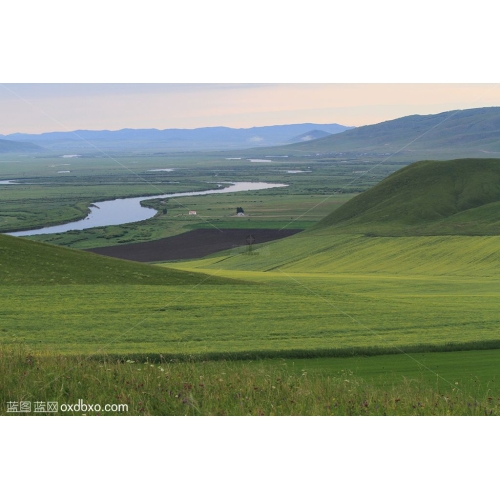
(194, 244)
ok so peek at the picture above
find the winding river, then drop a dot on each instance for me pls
(125, 210)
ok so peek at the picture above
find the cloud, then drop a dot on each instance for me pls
(256, 138)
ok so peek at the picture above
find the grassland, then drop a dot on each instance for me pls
(318, 291)
(264, 314)
(332, 290)
(263, 211)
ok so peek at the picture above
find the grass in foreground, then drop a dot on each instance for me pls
(221, 388)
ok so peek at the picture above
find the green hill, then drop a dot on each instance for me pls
(453, 133)
(429, 197)
(24, 262)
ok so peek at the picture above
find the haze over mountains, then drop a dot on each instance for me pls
(19, 147)
(310, 136)
(206, 139)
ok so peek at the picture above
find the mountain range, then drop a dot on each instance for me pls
(452, 134)
(148, 140)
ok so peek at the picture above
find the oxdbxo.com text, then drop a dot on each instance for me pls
(93, 408)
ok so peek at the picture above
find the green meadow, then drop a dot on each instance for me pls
(136, 308)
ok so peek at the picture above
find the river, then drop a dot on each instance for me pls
(126, 210)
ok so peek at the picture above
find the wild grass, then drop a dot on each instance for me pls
(221, 388)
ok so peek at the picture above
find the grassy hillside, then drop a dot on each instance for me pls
(460, 130)
(324, 252)
(31, 263)
(429, 197)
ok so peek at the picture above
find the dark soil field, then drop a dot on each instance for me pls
(193, 244)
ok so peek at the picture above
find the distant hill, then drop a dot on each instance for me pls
(310, 136)
(18, 147)
(453, 132)
(427, 197)
(208, 138)
(24, 262)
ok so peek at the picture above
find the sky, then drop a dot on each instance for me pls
(37, 108)
(398, 69)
